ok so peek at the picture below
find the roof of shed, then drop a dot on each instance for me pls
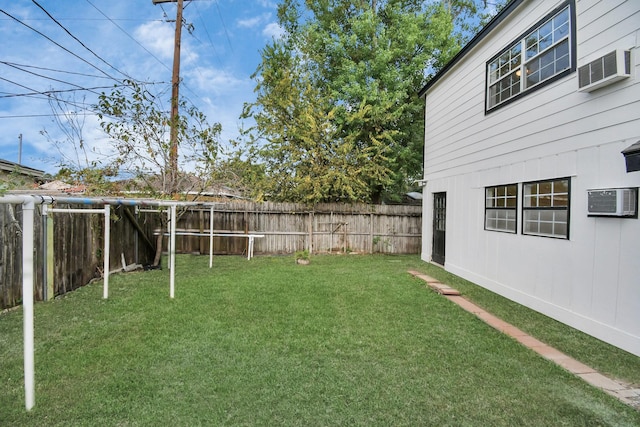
(7, 166)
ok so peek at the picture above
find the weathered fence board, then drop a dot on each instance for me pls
(289, 227)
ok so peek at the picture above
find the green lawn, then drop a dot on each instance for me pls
(348, 340)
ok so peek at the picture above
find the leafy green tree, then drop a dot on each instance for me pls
(139, 131)
(303, 156)
(337, 116)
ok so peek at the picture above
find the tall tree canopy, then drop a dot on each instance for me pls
(337, 115)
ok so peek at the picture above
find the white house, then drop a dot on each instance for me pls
(527, 191)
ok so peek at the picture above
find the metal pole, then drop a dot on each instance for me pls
(107, 249)
(211, 209)
(172, 252)
(27, 302)
(20, 149)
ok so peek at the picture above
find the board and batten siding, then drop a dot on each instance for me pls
(592, 280)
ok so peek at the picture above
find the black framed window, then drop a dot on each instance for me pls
(543, 53)
(545, 208)
(501, 203)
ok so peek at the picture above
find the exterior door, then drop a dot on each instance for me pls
(439, 227)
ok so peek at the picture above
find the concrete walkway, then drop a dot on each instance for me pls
(628, 395)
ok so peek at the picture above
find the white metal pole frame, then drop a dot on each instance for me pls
(27, 302)
(28, 206)
(107, 249)
(106, 211)
(172, 252)
(211, 236)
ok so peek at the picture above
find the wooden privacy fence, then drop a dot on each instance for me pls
(68, 254)
(68, 248)
(290, 227)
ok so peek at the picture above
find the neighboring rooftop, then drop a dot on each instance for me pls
(11, 167)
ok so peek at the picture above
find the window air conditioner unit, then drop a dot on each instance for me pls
(605, 70)
(613, 202)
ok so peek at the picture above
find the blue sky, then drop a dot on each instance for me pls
(129, 37)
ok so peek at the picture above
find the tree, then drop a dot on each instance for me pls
(340, 88)
(79, 161)
(139, 130)
(303, 157)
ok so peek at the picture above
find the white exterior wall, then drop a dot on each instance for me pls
(592, 280)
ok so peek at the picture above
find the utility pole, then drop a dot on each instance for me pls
(175, 86)
(20, 149)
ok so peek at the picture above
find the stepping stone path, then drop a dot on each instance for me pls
(623, 392)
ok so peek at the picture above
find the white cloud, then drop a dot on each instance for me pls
(273, 30)
(213, 80)
(157, 37)
(250, 22)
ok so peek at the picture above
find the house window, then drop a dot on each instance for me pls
(501, 204)
(542, 53)
(545, 207)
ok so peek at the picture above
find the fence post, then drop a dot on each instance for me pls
(310, 232)
(371, 232)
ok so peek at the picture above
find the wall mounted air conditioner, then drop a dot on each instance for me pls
(613, 202)
(605, 70)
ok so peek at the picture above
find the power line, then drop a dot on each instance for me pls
(13, 64)
(223, 25)
(27, 116)
(204, 27)
(59, 45)
(47, 92)
(79, 41)
(44, 77)
(129, 35)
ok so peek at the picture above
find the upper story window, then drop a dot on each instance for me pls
(542, 53)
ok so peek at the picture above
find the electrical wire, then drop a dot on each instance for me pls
(79, 41)
(204, 27)
(47, 77)
(223, 24)
(129, 35)
(59, 45)
(13, 64)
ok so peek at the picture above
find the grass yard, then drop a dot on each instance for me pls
(347, 340)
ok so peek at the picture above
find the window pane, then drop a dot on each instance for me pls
(561, 30)
(544, 201)
(545, 42)
(561, 186)
(532, 46)
(560, 229)
(545, 227)
(561, 25)
(545, 187)
(493, 72)
(562, 63)
(545, 31)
